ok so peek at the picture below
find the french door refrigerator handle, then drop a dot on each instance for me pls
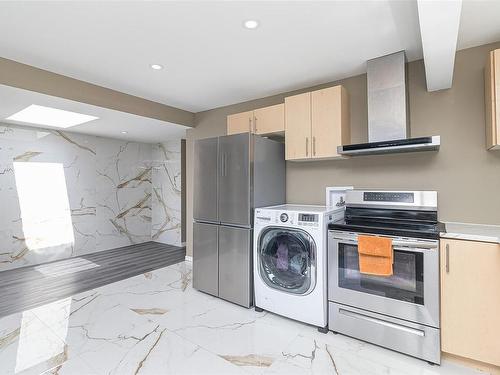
(225, 164)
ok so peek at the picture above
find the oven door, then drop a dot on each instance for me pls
(411, 293)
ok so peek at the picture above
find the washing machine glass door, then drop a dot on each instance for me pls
(287, 259)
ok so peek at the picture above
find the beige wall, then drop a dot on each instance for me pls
(16, 74)
(466, 176)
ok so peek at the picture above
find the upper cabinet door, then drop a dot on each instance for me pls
(497, 95)
(330, 121)
(205, 172)
(492, 99)
(269, 120)
(298, 126)
(240, 123)
(234, 179)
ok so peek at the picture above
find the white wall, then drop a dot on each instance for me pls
(166, 192)
(64, 194)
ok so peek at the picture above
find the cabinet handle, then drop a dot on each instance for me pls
(314, 146)
(249, 124)
(447, 255)
(255, 124)
(307, 146)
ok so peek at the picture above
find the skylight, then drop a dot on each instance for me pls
(40, 115)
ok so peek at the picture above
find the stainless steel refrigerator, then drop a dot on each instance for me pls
(232, 175)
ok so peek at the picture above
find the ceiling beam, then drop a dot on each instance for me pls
(15, 74)
(439, 21)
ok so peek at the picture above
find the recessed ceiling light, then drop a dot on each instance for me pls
(124, 132)
(40, 115)
(251, 24)
(156, 66)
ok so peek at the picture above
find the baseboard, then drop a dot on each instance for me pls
(481, 366)
(188, 258)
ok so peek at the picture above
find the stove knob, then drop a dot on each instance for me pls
(284, 218)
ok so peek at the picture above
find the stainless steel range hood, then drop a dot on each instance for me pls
(388, 118)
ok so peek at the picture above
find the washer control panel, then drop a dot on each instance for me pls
(308, 220)
(302, 219)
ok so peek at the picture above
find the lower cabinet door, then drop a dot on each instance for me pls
(235, 265)
(470, 300)
(205, 258)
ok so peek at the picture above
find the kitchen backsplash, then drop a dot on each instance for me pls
(65, 194)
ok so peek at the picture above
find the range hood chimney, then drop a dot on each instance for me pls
(388, 117)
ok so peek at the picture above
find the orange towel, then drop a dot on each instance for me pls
(375, 255)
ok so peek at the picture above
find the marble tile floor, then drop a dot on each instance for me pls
(156, 323)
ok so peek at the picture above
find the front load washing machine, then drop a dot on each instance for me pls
(290, 261)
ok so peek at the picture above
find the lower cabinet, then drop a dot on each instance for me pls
(222, 262)
(470, 300)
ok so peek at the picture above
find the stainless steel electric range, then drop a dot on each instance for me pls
(400, 312)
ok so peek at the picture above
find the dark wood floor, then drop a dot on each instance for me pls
(28, 287)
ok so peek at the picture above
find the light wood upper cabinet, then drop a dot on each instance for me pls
(262, 121)
(330, 121)
(298, 126)
(492, 100)
(316, 123)
(240, 123)
(470, 300)
(269, 120)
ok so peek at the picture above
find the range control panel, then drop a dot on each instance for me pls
(385, 196)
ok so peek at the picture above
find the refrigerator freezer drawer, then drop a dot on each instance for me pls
(410, 338)
(206, 258)
(235, 265)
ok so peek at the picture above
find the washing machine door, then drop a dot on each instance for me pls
(287, 259)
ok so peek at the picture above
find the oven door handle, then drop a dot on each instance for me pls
(403, 245)
(415, 245)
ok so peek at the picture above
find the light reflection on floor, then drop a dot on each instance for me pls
(65, 267)
(41, 342)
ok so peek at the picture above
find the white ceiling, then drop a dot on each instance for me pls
(210, 59)
(109, 124)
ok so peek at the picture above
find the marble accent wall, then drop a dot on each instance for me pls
(166, 192)
(65, 194)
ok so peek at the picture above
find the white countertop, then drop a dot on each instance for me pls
(472, 232)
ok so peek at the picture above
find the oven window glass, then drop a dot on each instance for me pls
(406, 283)
(287, 260)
